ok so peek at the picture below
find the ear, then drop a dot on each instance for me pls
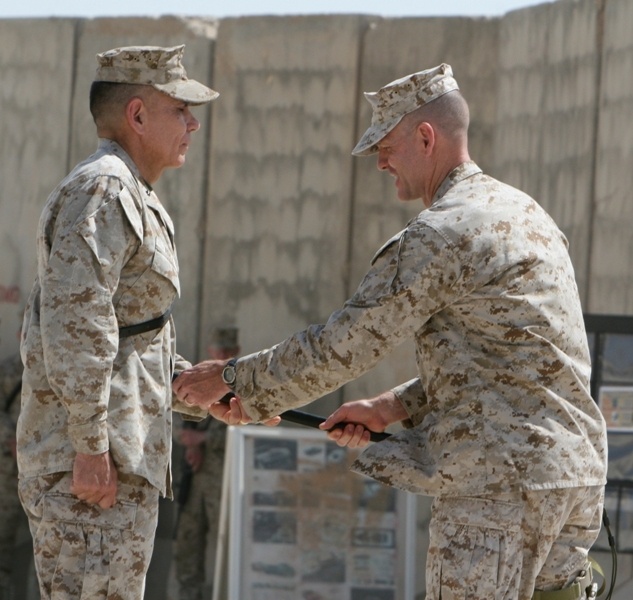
(136, 114)
(426, 137)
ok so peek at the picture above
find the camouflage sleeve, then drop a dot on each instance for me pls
(412, 277)
(188, 413)
(413, 397)
(78, 324)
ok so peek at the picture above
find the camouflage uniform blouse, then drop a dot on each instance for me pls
(483, 283)
(106, 259)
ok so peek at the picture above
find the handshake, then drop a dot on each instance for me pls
(205, 385)
(208, 383)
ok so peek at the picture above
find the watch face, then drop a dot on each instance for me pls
(229, 375)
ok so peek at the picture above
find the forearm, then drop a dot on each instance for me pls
(315, 362)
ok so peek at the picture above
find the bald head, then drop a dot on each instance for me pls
(448, 114)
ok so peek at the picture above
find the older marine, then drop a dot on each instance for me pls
(98, 341)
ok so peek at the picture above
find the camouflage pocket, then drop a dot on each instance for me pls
(68, 508)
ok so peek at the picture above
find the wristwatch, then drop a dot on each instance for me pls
(229, 374)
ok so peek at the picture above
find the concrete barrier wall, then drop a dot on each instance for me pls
(281, 174)
(611, 272)
(275, 220)
(35, 98)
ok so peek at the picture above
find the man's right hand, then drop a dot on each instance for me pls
(361, 417)
(202, 384)
(95, 479)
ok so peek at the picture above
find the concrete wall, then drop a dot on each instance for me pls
(611, 267)
(35, 100)
(281, 174)
(275, 220)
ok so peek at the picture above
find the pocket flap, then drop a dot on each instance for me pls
(66, 507)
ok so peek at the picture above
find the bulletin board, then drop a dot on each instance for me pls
(296, 524)
(610, 339)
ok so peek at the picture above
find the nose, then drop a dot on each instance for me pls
(381, 161)
(192, 123)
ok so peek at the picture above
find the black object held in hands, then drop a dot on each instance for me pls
(310, 420)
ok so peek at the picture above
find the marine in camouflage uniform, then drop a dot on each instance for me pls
(11, 513)
(500, 427)
(199, 505)
(98, 343)
(199, 514)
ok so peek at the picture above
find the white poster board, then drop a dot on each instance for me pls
(616, 404)
(298, 525)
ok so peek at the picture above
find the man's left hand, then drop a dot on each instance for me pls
(233, 413)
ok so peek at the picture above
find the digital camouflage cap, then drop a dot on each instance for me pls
(156, 66)
(400, 97)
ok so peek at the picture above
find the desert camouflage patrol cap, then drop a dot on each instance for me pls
(400, 97)
(156, 66)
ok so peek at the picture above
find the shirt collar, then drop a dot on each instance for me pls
(459, 173)
(108, 146)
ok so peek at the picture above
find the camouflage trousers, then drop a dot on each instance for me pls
(505, 547)
(83, 552)
(197, 533)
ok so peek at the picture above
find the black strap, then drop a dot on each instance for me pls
(157, 323)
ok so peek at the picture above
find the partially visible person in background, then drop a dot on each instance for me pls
(11, 513)
(98, 341)
(200, 490)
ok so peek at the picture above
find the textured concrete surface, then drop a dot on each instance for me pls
(280, 173)
(611, 269)
(35, 98)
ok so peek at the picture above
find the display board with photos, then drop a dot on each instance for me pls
(611, 345)
(299, 525)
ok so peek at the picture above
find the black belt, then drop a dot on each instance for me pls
(145, 326)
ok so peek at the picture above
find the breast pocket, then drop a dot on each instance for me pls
(165, 263)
